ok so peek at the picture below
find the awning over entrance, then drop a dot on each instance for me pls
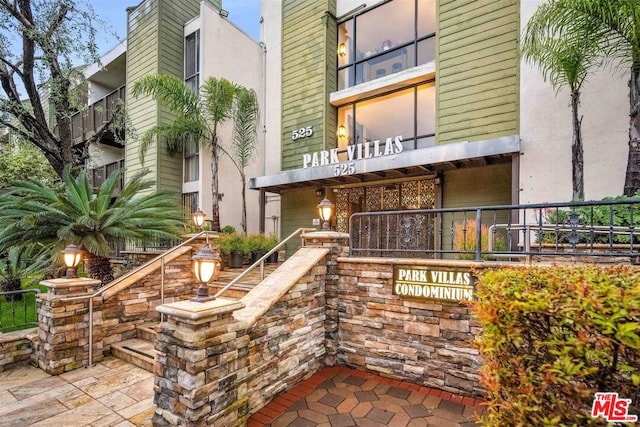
(410, 163)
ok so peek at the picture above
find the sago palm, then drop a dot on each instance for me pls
(32, 212)
(198, 117)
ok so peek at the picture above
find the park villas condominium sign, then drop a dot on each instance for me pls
(432, 283)
(362, 151)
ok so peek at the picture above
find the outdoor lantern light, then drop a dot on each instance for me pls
(198, 219)
(342, 131)
(204, 266)
(72, 256)
(325, 207)
(342, 49)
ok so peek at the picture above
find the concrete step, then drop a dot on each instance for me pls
(138, 352)
(147, 331)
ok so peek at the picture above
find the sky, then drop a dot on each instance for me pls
(244, 13)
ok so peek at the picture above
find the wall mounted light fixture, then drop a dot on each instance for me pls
(342, 49)
(342, 131)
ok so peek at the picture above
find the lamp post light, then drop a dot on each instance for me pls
(325, 208)
(204, 267)
(71, 256)
(198, 219)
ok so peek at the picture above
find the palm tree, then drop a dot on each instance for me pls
(615, 26)
(17, 264)
(32, 212)
(565, 63)
(243, 147)
(198, 118)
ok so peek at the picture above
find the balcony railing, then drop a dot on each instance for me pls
(89, 121)
(587, 230)
(100, 174)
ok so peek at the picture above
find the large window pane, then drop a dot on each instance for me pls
(427, 50)
(345, 43)
(426, 113)
(385, 27)
(384, 117)
(192, 59)
(426, 17)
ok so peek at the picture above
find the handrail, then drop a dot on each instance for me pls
(261, 260)
(113, 283)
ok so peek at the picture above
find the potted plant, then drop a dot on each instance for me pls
(233, 246)
(271, 241)
(256, 246)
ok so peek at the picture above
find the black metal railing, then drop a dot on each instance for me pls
(18, 310)
(508, 232)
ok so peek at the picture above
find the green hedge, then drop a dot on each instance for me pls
(553, 337)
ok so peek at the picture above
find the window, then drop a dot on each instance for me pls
(191, 162)
(408, 112)
(192, 60)
(189, 205)
(384, 40)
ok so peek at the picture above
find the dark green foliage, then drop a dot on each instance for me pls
(34, 213)
(553, 337)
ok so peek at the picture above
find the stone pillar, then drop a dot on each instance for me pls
(338, 245)
(201, 365)
(63, 325)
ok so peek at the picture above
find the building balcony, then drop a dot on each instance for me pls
(86, 123)
(99, 175)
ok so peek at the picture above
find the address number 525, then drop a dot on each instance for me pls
(302, 133)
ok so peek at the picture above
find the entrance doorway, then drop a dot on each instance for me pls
(407, 195)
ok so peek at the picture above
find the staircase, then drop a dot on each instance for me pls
(139, 351)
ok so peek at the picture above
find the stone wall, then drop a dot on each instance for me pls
(426, 342)
(16, 348)
(63, 312)
(220, 361)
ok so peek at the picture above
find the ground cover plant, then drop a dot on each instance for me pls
(553, 337)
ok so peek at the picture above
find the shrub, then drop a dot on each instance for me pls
(553, 337)
(228, 229)
(231, 242)
(464, 239)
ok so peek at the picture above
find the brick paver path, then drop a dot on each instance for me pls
(341, 397)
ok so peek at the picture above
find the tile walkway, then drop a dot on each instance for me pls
(111, 393)
(116, 393)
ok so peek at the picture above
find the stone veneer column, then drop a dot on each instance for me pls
(338, 245)
(63, 325)
(201, 365)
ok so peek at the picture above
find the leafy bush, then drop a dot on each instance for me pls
(553, 337)
(590, 218)
(232, 242)
(228, 229)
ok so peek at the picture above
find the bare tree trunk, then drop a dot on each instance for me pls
(632, 176)
(215, 205)
(243, 223)
(577, 151)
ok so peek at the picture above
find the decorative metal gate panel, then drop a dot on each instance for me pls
(388, 197)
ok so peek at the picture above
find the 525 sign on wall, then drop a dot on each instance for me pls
(302, 133)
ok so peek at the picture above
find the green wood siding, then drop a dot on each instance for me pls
(297, 210)
(477, 93)
(308, 75)
(155, 46)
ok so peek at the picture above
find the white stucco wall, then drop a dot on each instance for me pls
(546, 133)
(271, 37)
(228, 52)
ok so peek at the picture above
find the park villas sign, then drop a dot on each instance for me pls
(362, 151)
(432, 283)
